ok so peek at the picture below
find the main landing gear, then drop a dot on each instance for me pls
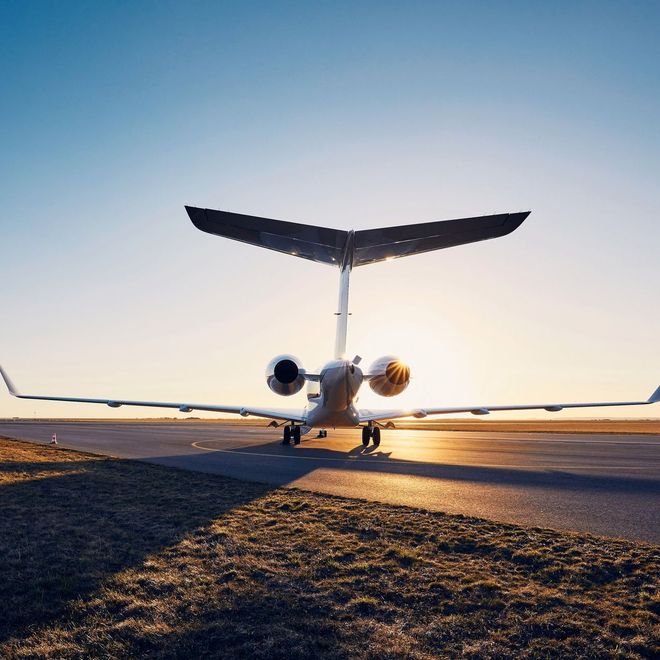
(322, 433)
(291, 435)
(370, 432)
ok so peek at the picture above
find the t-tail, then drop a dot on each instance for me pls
(349, 249)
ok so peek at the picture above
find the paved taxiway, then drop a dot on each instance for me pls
(604, 484)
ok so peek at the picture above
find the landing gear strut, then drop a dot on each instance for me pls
(371, 432)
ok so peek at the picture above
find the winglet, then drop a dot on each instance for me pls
(655, 397)
(12, 389)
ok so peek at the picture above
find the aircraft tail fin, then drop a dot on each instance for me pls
(341, 248)
(348, 249)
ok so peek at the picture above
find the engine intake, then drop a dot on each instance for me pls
(285, 375)
(389, 376)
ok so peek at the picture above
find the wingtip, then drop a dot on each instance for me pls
(197, 216)
(655, 397)
(513, 221)
(10, 386)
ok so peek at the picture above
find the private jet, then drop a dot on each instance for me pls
(332, 390)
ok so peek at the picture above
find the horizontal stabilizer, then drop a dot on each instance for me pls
(354, 248)
(306, 241)
(372, 245)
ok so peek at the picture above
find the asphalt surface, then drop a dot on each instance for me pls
(603, 484)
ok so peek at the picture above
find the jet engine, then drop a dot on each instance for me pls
(285, 375)
(389, 376)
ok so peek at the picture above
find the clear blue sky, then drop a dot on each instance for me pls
(359, 114)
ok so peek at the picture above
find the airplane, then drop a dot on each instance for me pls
(332, 391)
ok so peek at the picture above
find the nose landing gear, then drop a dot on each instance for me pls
(371, 433)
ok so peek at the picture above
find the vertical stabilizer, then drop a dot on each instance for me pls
(342, 305)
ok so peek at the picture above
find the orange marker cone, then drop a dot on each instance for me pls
(53, 440)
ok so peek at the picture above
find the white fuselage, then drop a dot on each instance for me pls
(334, 405)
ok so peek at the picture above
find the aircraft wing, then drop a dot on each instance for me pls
(420, 413)
(244, 411)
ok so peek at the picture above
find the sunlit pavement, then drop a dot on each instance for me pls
(604, 484)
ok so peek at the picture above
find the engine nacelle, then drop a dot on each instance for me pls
(389, 376)
(285, 375)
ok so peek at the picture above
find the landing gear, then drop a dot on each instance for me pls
(366, 434)
(322, 433)
(291, 434)
(370, 432)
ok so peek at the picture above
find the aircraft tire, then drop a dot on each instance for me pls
(376, 436)
(296, 435)
(366, 435)
(287, 436)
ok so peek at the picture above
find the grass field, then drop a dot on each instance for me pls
(615, 426)
(113, 558)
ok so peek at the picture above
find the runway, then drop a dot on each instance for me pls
(598, 483)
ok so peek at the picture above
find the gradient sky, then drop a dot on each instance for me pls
(350, 115)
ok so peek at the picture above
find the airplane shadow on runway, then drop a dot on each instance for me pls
(273, 463)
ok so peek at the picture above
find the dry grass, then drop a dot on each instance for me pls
(112, 558)
(616, 426)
